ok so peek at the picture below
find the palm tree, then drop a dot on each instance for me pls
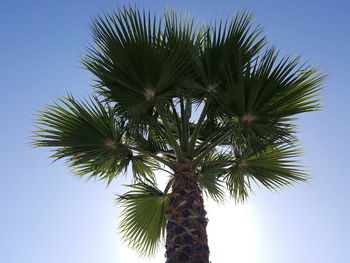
(209, 105)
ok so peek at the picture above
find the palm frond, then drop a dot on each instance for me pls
(142, 168)
(210, 171)
(281, 88)
(88, 135)
(212, 186)
(227, 42)
(273, 168)
(264, 98)
(138, 61)
(143, 217)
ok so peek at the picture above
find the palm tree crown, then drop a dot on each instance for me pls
(171, 91)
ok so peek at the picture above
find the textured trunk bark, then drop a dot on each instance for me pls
(186, 239)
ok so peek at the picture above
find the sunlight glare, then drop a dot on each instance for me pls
(232, 233)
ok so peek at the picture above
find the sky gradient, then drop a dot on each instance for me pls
(48, 216)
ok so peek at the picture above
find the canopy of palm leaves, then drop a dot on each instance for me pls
(170, 90)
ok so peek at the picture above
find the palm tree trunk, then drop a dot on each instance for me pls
(186, 239)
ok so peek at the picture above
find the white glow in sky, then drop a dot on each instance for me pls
(233, 233)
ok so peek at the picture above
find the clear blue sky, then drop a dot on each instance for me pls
(48, 216)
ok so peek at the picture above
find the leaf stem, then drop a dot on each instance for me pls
(197, 129)
(202, 155)
(171, 138)
(206, 141)
(177, 118)
(156, 157)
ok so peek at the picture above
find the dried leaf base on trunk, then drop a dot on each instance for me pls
(186, 227)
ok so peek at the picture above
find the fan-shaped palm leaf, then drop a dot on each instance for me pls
(88, 134)
(273, 168)
(143, 217)
(233, 42)
(137, 59)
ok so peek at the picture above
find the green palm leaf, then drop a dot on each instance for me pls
(274, 168)
(262, 100)
(227, 42)
(212, 168)
(271, 88)
(138, 60)
(143, 217)
(88, 135)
